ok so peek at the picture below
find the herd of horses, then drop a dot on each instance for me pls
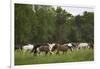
(53, 47)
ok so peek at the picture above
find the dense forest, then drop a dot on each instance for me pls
(41, 23)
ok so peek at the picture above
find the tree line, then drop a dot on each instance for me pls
(41, 24)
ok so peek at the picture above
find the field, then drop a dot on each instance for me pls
(75, 56)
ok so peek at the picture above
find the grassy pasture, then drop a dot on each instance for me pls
(75, 56)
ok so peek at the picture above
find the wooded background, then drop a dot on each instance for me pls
(41, 24)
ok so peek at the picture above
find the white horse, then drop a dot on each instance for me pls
(28, 47)
(83, 45)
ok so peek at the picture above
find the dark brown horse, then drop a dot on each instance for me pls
(61, 47)
(41, 48)
(45, 49)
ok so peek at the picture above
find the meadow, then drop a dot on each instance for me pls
(74, 56)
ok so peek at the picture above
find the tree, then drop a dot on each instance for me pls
(42, 24)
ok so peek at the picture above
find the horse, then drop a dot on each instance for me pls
(27, 47)
(61, 47)
(83, 45)
(42, 48)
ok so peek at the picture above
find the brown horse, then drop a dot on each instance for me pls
(61, 47)
(45, 49)
(41, 48)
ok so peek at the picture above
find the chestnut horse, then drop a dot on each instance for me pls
(61, 47)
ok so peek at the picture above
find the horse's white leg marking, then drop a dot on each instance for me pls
(38, 51)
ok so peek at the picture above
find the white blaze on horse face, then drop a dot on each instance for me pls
(51, 46)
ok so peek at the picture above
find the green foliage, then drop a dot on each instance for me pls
(38, 24)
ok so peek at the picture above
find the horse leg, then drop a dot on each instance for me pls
(84, 48)
(79, 48)
(46, 52)
(89, 47)
(57, 52)
(70, 48)
(35, 53)
(51, 53)
(39, 52)
(63, 52)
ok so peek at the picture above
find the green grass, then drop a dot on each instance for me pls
(75, 56)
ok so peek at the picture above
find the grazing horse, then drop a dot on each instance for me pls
(83, 45)
(28, 47)
(61, 47)
(42, 48)
(91, 46)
